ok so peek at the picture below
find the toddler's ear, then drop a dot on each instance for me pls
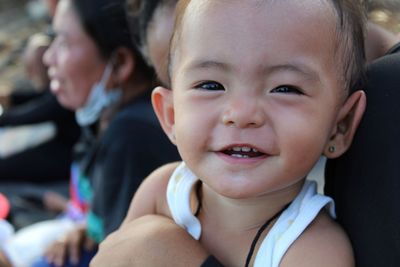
(163, 105)
(348, 119)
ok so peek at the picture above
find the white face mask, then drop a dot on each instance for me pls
(98, 99)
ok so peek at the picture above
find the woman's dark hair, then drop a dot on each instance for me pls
(106, 23)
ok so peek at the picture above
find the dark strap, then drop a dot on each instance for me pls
(394, 49)
(260, 231)
(198, 195)
(211, 261)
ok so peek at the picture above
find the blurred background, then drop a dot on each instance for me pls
(386, 13)
(19, 19)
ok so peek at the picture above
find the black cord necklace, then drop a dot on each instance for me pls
(260, 231)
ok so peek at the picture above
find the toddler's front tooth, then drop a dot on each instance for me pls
(236, 149)
(246, 149)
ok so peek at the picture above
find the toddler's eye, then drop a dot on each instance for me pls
(287, 89)
(210, 85)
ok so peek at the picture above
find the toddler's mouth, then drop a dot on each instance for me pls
(242, 152)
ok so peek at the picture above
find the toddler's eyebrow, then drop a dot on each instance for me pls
(300, 68)
(207, 64)
(297, 67)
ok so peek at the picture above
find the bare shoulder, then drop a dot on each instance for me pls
(323, 243)
(157, 181)
(150, 198)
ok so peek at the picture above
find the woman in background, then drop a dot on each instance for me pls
(96, 70)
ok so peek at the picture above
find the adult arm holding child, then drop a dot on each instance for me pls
(145, 239)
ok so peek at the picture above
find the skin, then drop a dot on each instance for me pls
(262, 93)
(271, 92)
(378, 41)
(4, 261)
(34, 66)
(70, 246)
(35, 69)
(73, 59)
(146, 232)
(51, 7)
(159, 33)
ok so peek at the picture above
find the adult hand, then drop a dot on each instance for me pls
(4, 261)
(55, 202)
(151, 240)
(69, 246)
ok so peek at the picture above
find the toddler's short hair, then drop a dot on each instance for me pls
(350, 33)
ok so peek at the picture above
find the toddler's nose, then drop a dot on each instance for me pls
(243, 112)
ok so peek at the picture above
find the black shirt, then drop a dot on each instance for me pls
(132, 146)
(365, 181)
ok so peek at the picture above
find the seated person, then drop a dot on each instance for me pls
(97, 71)
(36, 136)
(46, 161)
(34, 81)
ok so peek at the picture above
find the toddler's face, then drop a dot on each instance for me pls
(256, 92)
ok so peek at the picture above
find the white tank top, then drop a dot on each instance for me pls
(289, 226)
